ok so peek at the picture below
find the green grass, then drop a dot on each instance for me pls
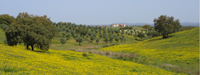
(178, 53)
(2, 36)
(19, 61)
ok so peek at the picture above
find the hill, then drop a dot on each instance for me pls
(2, 36)
(178, 53)
(17, 60)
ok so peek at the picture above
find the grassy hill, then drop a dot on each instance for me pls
(179, 53)
(17, 60)
(2, 36)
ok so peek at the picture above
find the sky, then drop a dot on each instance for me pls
(99, 12)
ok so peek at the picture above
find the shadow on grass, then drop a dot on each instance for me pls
(163, 38)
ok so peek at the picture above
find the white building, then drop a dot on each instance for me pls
(117, 25)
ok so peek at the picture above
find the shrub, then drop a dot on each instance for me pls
(153, 33)
(84, 55)
(141, 35)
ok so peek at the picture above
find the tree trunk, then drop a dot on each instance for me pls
(32, 47)
(79, 43)
(27, 46)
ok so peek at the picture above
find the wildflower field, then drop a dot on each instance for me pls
(179, 52)
(17, 60)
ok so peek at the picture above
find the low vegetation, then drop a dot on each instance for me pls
(179, 53)
(17, 60)
(67, 48)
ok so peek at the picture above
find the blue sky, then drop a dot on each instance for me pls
(97, 12)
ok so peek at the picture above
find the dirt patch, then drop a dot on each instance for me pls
(169, 65)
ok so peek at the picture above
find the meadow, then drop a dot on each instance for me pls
(17, 60)
(178, 53)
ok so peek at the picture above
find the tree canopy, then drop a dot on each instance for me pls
(166, 25)
(34, 31)
(146, 26)
(6, 19)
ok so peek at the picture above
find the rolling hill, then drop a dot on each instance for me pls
(179, 53)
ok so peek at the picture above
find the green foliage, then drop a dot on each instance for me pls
(6, 19)
(111, 39)
(63, 41)
(124, 28)
(67, 36)
(4, 27)
(100, 35)
(106, 39)
(141, 35)
(147, 27)
(79, 40)
(63, 34)
(166, 25)
(73, 33)
(153, 33)
(117, 39)
(97, 40)
(5, 41)
(31, 30)
(92, 38)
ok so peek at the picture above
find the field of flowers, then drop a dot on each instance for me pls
(17, 60)
(180, 50)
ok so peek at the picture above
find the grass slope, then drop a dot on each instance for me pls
(17, 60)
(2, 36)
(179, 53)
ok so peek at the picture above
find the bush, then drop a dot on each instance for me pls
(84, 54)
(141, 35)
(153, 34)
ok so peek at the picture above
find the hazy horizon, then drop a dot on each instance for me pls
(91, 12)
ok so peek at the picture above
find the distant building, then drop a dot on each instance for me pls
(117, 25)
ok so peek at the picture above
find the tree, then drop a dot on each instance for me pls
(111, 39)
(4, 27)
(106, 39)
(141, 35)
(166, 25)
(100, 35)
(92, 38)
(73, 32)
(6, 19)
(34, 31)
(63, 41)
(79, 40)
(67, 36)
(117, 39)
(146, 26)
(97, 40)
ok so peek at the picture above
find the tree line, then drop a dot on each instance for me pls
(38, 31)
